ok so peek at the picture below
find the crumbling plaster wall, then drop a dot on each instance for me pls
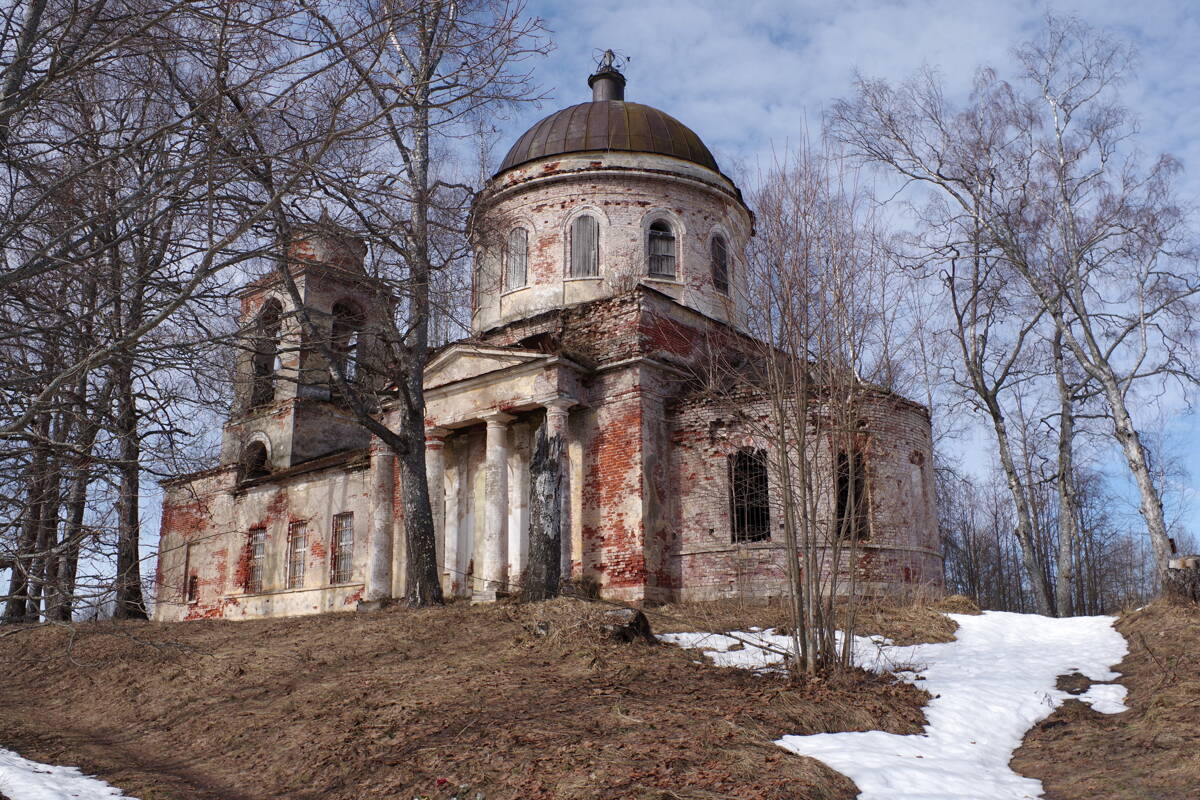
(902, 554)
(205, 528)
(625, 192)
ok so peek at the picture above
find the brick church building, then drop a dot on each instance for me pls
(610, 261)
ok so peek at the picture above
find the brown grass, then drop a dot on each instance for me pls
(1150, 751)
(405, 703)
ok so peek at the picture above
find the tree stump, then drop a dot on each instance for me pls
(627, 625)
(1182, 580)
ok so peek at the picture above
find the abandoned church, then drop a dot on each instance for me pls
(614, 262)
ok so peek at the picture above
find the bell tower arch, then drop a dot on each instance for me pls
(287, 409)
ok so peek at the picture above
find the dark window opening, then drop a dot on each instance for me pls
(347, 323)
(256, 558)
(193, 588)
(720, 265)
(749, 496)
(342, 567)
(853, 508)
(265, 361)
(661, 245)
(516, 259)
(585, 247)
(254, 461)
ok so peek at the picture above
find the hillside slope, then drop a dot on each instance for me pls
(403, 703)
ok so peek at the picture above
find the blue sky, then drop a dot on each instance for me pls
(751, 76)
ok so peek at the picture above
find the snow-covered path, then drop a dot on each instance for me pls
(989, 687)
(22, 779)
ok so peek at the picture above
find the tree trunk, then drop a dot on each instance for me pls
(1067, 502)
(127, 587)
(17, 608)
(542, 577)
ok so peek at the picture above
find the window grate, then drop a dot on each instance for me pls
(342, 566)
(749, 496)
(297, 554)
(256, 551)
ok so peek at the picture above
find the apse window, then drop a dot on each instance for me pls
(720, 264)
(585, 247)
(516, 259)
(749, 496)
(852, 511)
(256, 559)
(297, 554)
(341, 569)
(661, 246)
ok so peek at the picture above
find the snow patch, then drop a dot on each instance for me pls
(22, 779)
(989, 687)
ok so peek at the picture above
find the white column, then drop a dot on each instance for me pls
(452, 569)
(379, 546)
(435, 476)
(495, 509)
(518, 502)
(556, 425)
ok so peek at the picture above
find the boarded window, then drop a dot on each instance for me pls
(297, 554)
(720, 265)
(342, 548)
(749, 497)
(256, 559)
(852, 517)
(516, 259)
(661, 246)
(585, 247)
(265, 361)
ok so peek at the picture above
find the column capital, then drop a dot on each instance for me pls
(434, 435)
(560, 403)
(497, 419)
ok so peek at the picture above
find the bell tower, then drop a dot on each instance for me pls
(287, 408)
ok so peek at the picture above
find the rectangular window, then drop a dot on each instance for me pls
(297, 554)
(585, 247)
(342, 566)
(256, 557)
(720, 265)
(191, 583)
(852, 517)
(749, 496)
(662, 251)
(516, 259)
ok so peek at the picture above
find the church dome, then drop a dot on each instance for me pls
(608, 123)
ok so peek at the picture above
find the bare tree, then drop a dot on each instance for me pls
(1046, 174)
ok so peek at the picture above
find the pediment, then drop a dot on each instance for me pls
(460, 362)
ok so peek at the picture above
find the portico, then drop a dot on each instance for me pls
(483, 408)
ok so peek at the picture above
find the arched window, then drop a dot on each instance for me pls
(516, 259)
(266, 353)
(661, 247)
(585, 247)
(254, 461)
(720, 264)
(347, 322)
(749, 496)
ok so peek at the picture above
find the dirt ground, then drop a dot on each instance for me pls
(1152, 751)
(403, 703)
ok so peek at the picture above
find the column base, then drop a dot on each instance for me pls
(488, 596)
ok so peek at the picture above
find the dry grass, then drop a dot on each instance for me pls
(1150, 751)
(512, 701)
